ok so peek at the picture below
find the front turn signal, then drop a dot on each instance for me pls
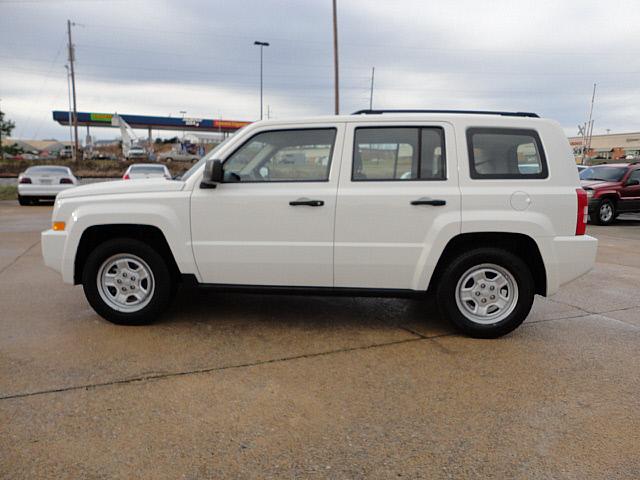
(58, 226)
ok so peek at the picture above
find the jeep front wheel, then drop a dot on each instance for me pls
(487, 292)
(127, 282)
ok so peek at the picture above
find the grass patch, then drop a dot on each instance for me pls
(8, 192)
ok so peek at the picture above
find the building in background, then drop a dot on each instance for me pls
(609, 147)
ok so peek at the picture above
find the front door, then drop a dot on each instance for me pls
(630, 193)
(398, 202)
(272, 220)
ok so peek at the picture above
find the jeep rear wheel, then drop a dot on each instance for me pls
(487, 292)
(605, 212)
(127, 282)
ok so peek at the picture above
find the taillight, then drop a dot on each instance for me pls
(583, 211)
(25, 180)
(66, 180)
(126, 176)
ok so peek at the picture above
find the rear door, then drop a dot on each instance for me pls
(398, 200)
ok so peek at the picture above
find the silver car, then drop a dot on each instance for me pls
(44, 183)
(146, 170)
(173, 156)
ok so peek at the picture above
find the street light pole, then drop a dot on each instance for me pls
(261, 45)
(373, 72)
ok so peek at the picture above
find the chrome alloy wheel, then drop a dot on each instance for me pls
(487, 294)
(125, 282)
(606, 212)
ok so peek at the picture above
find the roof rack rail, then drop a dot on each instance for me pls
(472, 112)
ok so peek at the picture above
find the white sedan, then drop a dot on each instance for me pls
(146, 170)
(44, 183)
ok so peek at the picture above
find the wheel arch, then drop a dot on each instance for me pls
(519, 244)
(97, 234)
(610, 195)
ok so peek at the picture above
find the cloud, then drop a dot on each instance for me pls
(157, 57)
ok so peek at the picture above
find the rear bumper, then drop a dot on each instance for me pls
(569, 258)
(53, 245)
(35, 190)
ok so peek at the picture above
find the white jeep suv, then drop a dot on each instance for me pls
(483, 208)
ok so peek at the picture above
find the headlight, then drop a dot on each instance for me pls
(589, 193)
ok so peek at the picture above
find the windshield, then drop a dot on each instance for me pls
(54, 170)
(606, 174)
(209, 155)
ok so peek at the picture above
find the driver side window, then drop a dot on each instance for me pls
(283, 156)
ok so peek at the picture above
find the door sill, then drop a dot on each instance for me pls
(306, 290)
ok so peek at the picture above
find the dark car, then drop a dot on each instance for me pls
(612, 189)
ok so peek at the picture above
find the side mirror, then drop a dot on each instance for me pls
(630, 183)
(213, 174)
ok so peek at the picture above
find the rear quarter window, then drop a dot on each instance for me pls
(505, 153)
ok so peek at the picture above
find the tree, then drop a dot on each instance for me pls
(6, 127)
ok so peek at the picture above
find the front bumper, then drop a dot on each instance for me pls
(53, 245)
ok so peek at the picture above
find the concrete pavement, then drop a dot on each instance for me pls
(231, 386)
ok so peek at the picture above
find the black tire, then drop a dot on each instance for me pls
(454, 272)
(24, 201)
(600, 216)
(164, 283)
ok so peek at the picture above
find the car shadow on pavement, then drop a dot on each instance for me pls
(194, 304)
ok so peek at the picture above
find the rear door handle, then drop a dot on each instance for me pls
(429, 201)
(307, 202)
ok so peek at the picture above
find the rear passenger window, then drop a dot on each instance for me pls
(398, 153)
(505, 153)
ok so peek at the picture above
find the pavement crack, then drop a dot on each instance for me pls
(412, 331)
(13, 262)
(160, 376)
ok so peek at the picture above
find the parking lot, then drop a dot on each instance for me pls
(316, 387)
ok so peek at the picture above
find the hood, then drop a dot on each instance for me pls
(598, 184)
(123, 186)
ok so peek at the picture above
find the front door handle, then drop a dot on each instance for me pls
(307, 202)
(429, 201)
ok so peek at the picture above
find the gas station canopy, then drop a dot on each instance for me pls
(147, 122)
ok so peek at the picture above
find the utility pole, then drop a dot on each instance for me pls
(373, 72)
(261, 45)
(590, 122)
(73, 153)
(73, 90)
(335, 59)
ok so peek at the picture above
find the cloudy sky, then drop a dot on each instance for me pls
(160, 57)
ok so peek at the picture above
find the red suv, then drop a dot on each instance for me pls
(612, 189)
